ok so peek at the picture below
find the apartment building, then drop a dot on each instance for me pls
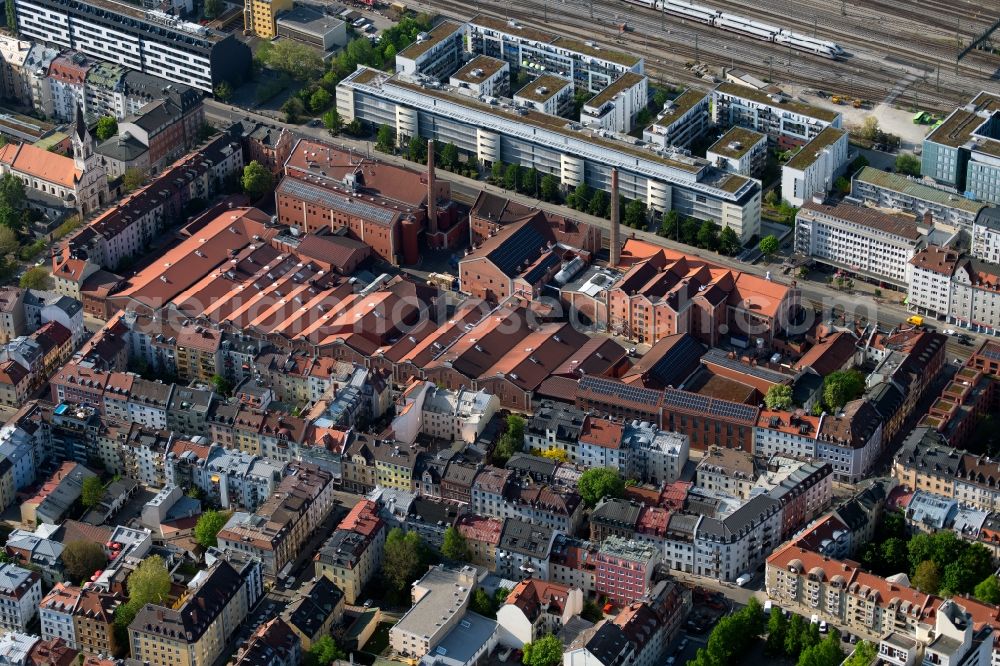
(873, 245)
(437, 53)
(900, 617)
(726, 548)
(493, 133)
(535, 608)
(482, 536)
(589, 68)
(740, 151)
(684, 120)
(785, 122)
(624, 569)
(353, 553)
(440, 599)
(56, 614)
(94, 621)
(524, 550)
(276, 532)
(150, 41)
(482, 76)
(814, 168)
(451, 416)
(926, 463)
(962, 152)
(880, 189)
(260, 16)
(20, 596)
(197, 630)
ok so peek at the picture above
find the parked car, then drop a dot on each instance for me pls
(744, 579)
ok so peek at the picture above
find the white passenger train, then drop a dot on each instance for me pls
(745, 26)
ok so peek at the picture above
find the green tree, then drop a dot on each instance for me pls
(971, 567)
(597, 483)
(546, 651)
(107, 127)
(581, 195)
(842, 185)
(689, 230)
(404, 558)
(213, 8)
(82, 558)
(670, 225)
(221, 385)
(768, 245)
(497, 172)
(36, 277)
(591, 612)
(841, 387)
(385, 139)
(779, 397)
(133, 178)
(777, 630)
(708, 235)
(297, 60)
(988, 590)
(864, 654)
(512, 440)
(92, 492)
(9, 243)
(454, 546)
(599, 203)
(528, 181)
(635, 214)
(206, 530)
(927, 577)
(257, 180)
(550, 188)
(870, 129)
(908, 163)
(893, 556)
(482, 603)
(12, 200)
(824, 653)
(418, 149)
(323, 652)
(149, 583)
(332, 121)
(660, 98)
(11, 18)
(512, 176)
(771, 198)
(293, 109)
(793, 637)
(449, 156)
(223, 92)
(319, 100)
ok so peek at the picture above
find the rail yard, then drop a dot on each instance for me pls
(893, 52)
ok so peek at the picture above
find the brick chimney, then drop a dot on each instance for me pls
(616, 246)
(432, 223)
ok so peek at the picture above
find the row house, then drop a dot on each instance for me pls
(353, 553)
(283, 523)
(495, 494)
(925, 462)
(904, 620)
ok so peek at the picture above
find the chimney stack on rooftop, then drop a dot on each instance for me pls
(615, 222)
(432, 224)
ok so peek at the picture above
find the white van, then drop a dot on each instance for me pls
(744, 579)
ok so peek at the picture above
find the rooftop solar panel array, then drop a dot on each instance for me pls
(621, 390)
(522, 246)
(350, 206)
(674, 366)
(536, 273)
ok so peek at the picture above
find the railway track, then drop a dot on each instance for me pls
(669, 42)
(916, 48)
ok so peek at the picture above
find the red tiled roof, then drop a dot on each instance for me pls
(601, 432)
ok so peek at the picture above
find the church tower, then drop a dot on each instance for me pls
(83, 143)
(92, 180)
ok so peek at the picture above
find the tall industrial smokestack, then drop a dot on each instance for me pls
(616, 247)
(432, 222)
